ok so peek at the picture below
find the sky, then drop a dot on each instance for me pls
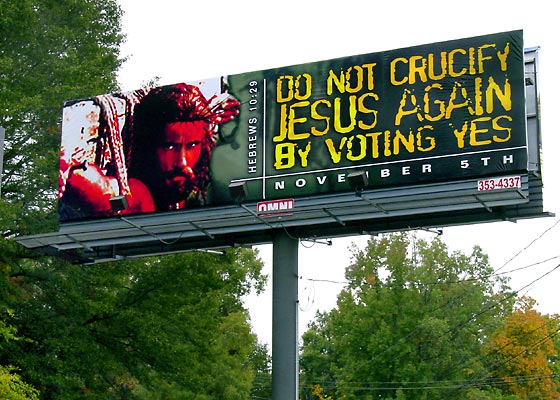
(183, 41)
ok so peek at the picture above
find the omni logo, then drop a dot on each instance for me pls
(275, 207)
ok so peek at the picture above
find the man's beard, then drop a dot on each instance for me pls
(180, 184)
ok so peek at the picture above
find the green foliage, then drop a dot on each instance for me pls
(12, 388)
(51, 51)
(11, 385)
(262, 363)
(171, 327)
(411, 323)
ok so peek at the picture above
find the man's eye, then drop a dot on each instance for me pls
(192, 144)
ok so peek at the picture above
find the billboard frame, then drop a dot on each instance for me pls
(365, 212)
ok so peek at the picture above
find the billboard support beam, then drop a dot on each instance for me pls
(284, 316)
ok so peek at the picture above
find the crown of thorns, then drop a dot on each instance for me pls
(183, 102)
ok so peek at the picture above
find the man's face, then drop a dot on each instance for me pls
(179, 153)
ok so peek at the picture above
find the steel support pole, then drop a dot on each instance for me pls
(284, 317)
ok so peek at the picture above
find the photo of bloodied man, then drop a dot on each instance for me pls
(151, 147)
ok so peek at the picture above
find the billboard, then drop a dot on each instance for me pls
(435, 113)
(424, 137)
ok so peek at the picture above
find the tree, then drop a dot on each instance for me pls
(51, 51)
(410, 323)
(11, 385)
(520, 352)
(262, 363)
(12, 388)
(168, 327)
(554, 360)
